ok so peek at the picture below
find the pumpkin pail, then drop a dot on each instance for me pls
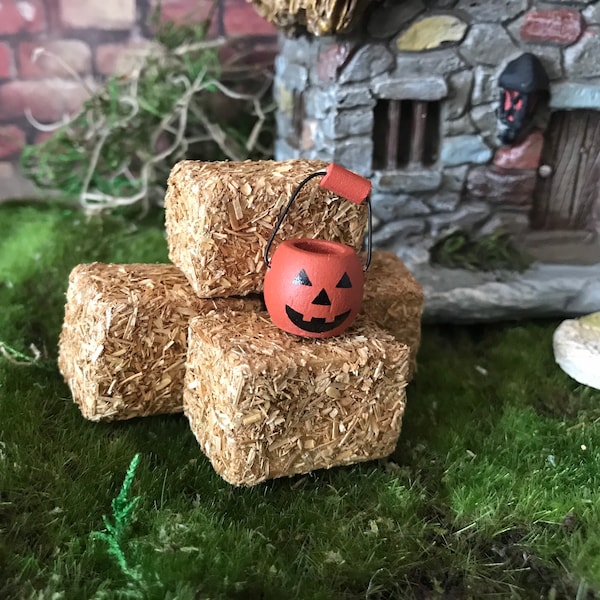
(314, 288)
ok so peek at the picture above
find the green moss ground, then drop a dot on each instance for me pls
(492, 491)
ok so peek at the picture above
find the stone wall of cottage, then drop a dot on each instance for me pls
(454, 52)
(93, 39)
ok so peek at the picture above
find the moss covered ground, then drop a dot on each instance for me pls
(493, 490)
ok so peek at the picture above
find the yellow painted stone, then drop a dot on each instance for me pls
(285, 100)
(592, 321)
(432, 32)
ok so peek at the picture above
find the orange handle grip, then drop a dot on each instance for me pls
(345, 183)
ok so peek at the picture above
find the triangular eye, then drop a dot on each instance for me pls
(302, 278)
(344, 282)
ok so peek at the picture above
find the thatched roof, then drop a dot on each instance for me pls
(319, 17)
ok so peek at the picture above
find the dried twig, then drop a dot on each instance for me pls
(105, 126)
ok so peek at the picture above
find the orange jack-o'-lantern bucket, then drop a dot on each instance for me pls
(314, 288)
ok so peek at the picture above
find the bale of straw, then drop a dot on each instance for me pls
(124, 339)
(320, 17)
(219, 216)
(278, 404)
(394, 301)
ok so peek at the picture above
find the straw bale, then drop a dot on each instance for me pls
(394, 301)
(279, 405)
(124, 339)
(219, 216)
(320, 17)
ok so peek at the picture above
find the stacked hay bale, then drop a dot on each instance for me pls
(262, 403)
(123, 343)
(279, 405)
(219, 216)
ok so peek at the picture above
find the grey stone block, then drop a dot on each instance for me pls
(454, 178)
(413, 180)
(467, 218)
(319, 102)
(550, 57)
(291, 75)
(484, 117)
(283, 151)
(463, 149)
(353, 122)
(323, 140)
(425, 64)
(486, 44)
(413, 254)
(301, 50)
(582, 59)
(461, 126)
(454, 295)
(422, 88)
(485, 85)
(399, 232)
(459, 91)
(355, 154)
(444, 201)
(575, 95)
(368, 62)
(285, 129)
(514, 222)
(592, 14)
(587, 300)
(326, 126)
(351, 96)
(389, 207)
(497, 11)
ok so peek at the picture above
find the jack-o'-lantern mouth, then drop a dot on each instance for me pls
(316, 324)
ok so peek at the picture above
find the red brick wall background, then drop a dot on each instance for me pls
(87, 37)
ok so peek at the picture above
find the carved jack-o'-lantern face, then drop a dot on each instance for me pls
(314, 288)
(314, 324)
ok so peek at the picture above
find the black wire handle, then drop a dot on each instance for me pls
(291, 201)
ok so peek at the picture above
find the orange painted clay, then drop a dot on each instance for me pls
(314, 288)
(346, 184)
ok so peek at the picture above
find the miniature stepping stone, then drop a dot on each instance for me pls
(577, 349)
(263, 403)
(219, 216)
(124, 338)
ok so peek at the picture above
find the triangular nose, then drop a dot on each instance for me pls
(322, 299)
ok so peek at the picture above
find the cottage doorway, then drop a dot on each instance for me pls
(568, 199)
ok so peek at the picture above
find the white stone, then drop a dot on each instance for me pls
(576, 344)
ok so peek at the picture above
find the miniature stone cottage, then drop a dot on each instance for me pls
(407, 94)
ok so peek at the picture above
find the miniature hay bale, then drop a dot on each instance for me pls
(124, 338)
(394, 301)
(279, 405)
(219, 216)
(320, 17)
